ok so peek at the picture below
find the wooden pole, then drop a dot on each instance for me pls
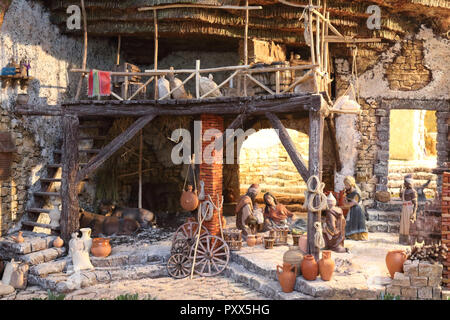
(69, 190)
(197, 79)
(140, 171)
(311, 35)
(316, 124)
(246, 46)
(80, 82)
(119, 44)
(155, 20)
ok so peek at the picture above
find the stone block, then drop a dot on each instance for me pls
(437, 293)
(427, 269)
(425, 293)
(44, 269)
(383, 227)
(400, 279)
(434, 281)
(419, 281)
(393, 290)
(409, 292)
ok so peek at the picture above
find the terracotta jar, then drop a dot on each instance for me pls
(287, 277)
(326, 266)
(251, 240)
(189, 200)
(58, 242)
(100, 247)
(303, 243)
(309, 267)
(293, 256)
(19, 238)
(395, 260)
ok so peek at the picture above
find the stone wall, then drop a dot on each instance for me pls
(27, 33)
(419, 280)
(446, 224)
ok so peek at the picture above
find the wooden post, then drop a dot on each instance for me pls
(246, 46)
(140, 170)
(197, 79)
(119, 44)
(334, 143)
(69, 190)
(316, 124)
(155, 20)
(80, 82)
(311, 35)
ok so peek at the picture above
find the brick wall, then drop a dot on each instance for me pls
(446, 223)
(212, 174)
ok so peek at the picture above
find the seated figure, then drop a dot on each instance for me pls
(334, 227)
(247, 212)
(276, 215)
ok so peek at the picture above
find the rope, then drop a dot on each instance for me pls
(319, 242)
(311, 193)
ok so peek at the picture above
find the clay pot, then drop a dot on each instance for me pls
(100, 247)
(395, 260)
(189, 200)
(22, 98)
(58, 242)
(303, 243)
(326, 266)
(251, 240)
(19, 238)
(294, 257)
(309, 267)
(287, 277)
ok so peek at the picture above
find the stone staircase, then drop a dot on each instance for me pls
(36, 217)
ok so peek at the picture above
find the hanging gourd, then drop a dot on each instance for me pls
(189, 200)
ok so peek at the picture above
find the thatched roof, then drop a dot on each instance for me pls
(275, 21)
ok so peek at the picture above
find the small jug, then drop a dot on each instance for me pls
(287, 277)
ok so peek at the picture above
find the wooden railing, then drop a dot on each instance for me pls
(242, 71)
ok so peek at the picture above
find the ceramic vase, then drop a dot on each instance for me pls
(251, 240)
(326, 266)
(86, 237)
(58, 242)
(309, 267)
(395, 260)
(189, 200)
(294, 257)
(101, 247)
(287, 277)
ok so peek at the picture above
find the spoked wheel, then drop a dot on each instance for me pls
(213, 255)
(188, 232)
(180, 246)
(179, 266)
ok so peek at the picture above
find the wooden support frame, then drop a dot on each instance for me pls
(80, 82)
(69, 183)
(288, 144)
(334, 143)
(114, 145)
(316, 126)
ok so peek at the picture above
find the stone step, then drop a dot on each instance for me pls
(47, 268)
(383, 226)
(38, 210)
(40, 225)
(33, 242)
(393, 205)
(384, 216)
(268, 287)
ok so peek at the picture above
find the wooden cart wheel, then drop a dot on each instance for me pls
(188, 231)
(180, 246)
(212, 257)
(179, 266)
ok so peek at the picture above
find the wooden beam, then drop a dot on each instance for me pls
(114, 145)
(202, 6)
(155, 61)
(289, 145)
(336, 39)
(80, 82)
(246, 45)
(69, 222)
(334, 144)
(316, 125)
(140, 170)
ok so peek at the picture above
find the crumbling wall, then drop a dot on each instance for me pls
(27, 33)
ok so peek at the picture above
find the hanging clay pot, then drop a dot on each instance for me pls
(251, 240)
(58, 242)
(287, 277)
(395, 260)
(326, 266)
(100, 247)
(189, 200)
(294, 257)
(309, 267)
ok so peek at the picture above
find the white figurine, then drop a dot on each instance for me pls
(55, 215)
(80, 257)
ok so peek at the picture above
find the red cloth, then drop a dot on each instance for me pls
(105, 83)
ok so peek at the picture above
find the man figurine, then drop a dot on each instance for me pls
(334, 227)
(409, 209)
(245, 219)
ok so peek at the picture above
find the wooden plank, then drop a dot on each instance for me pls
(246, 45)
(334, 143)
(40, 225)
(336, 39)
(316, 124)
(220, 85)
(80, 82)
(155, 61)
(69, 185)
(197, 79)
(289, 145)
(114, 145)
(260, 84)
(203, 6)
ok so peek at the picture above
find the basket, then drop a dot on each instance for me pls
(233, 237)
(280, 235)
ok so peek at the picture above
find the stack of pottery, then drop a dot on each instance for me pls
(294, 257)
(309, 267)
(287, 277)
(395, 260)
(326, 266)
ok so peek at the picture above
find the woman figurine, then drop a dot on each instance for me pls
(334, 226)
(355, 227)
(275, 214)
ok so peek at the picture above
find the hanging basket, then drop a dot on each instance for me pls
(7, 147)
